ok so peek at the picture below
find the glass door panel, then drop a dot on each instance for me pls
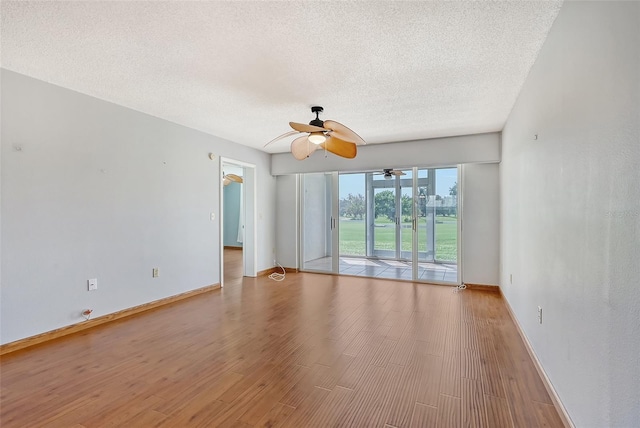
(405, 223)
(318, 222)
(353, 215)
(446, 227)
(425, 214)
(353, 223)
(384, 222)
(437, 224)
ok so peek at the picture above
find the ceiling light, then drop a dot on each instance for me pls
(317, 138)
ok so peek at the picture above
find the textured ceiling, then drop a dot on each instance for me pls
(391, 71)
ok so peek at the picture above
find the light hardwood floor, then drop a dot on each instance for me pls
(314, 350)
(233, 266)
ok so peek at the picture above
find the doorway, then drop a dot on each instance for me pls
(233, 224)
(238, 253)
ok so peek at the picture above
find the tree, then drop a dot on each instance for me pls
(352, 206)
(407, 205)
(385, 205)
(453, 190)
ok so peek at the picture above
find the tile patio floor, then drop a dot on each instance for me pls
(390, 269)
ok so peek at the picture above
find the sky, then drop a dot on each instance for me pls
(354, 183)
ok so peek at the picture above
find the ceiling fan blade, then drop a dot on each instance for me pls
(339, 130)
(339, 147)
(226, 181)
(398, 173)
(285, 135)
(303, 127)
(301, 148)
(234, 177)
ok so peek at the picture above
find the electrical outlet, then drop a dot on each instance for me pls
(274, 262)
(155, 273)
(92, 284)
(212, 216)
(540, 314)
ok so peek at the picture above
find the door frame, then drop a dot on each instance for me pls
(249, 245)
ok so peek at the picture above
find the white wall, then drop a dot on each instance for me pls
(287, 220)
(425, 153)
(570, 210)
(480, 224)
(92, 189)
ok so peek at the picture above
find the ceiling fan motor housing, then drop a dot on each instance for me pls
(317, 122)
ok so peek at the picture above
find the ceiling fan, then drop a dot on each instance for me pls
(329, 135)
(390, 172)
(230, 178)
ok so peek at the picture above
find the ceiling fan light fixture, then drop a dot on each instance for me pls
(317, 138)
(331, 136)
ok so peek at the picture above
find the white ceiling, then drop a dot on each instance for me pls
(241, 70)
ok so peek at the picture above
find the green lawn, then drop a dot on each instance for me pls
(352, 237)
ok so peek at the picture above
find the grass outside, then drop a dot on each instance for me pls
(352, 237)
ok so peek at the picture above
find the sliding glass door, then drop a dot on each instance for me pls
(402, 225)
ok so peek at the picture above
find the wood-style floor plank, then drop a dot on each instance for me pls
(405, 395)
(547, 415)
(304, 413)
(301, 390)
(424, 416)
(312, 350)
(498, 414)
(449, 411)
(332, 407)
(276, 416)
(473, 408)
(431, 380)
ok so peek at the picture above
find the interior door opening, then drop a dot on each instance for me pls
(237, 221)
(233, 224)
